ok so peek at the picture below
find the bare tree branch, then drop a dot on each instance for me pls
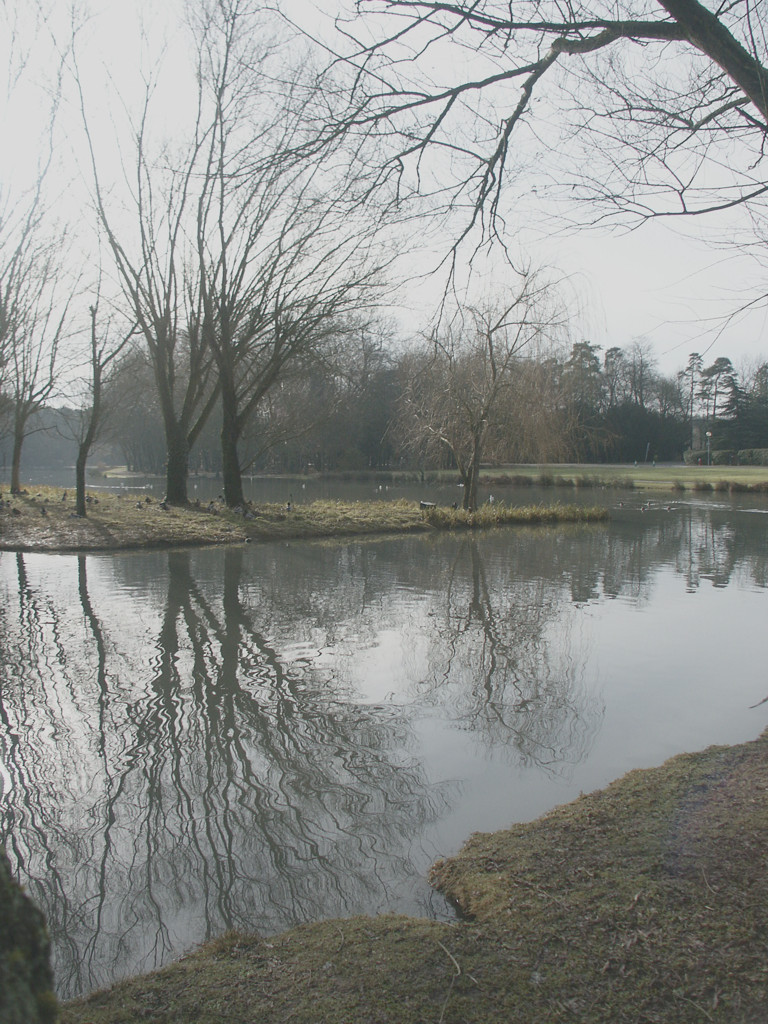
(652, 84)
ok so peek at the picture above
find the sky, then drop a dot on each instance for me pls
(673, 289)
(659, 282)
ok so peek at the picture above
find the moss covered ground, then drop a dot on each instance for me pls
(644, 902)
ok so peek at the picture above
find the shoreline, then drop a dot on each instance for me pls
(43, 520)
(643, 901)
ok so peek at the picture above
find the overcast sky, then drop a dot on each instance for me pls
(658, 282)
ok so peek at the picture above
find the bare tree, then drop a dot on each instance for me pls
(285, 252)
(616, 374)
(642, 370)
(455, 393)
(155, 267)
(35, 293)
(243, 254)
(540, 423)
(86, 424)
(36, 286)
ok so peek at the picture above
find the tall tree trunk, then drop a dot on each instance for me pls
(177, 471)
(92, 426)
(470, 488)
(82, 456)
(472, 475)
(230, 460)
(19, 424)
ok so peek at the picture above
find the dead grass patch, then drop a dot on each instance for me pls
(44, 520)
(643, 902)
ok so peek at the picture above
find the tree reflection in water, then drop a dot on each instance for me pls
(492, 662)
(154, 807)
(195, 741)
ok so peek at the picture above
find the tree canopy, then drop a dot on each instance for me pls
(670, 97)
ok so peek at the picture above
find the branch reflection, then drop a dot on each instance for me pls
(493, 662)
(196, 741)
(158, 807)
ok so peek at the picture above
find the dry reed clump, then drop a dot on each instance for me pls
(500, 514)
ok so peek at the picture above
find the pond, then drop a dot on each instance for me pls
(192, 741)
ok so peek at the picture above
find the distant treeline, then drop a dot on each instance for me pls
(585, 406)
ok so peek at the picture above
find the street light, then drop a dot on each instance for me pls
(709, 449)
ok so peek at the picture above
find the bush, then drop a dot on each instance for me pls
(725, 457)
(695, 457)
(753, 457)
(716, 457)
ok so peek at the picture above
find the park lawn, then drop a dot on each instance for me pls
(644, 476)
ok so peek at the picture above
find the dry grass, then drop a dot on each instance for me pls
(644, 902)
(500, 514)
(44, 520)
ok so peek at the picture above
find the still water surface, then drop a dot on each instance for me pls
(254, 737)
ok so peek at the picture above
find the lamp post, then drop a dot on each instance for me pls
(709, 448)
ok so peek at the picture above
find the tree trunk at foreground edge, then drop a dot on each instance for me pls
(176, 473)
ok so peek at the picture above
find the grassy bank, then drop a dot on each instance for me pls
(43, 520)
(666, 477)
(643, 476)
(643, 902)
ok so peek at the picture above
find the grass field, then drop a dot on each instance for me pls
(644, 476)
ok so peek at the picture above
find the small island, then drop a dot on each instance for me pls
(43, 519)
